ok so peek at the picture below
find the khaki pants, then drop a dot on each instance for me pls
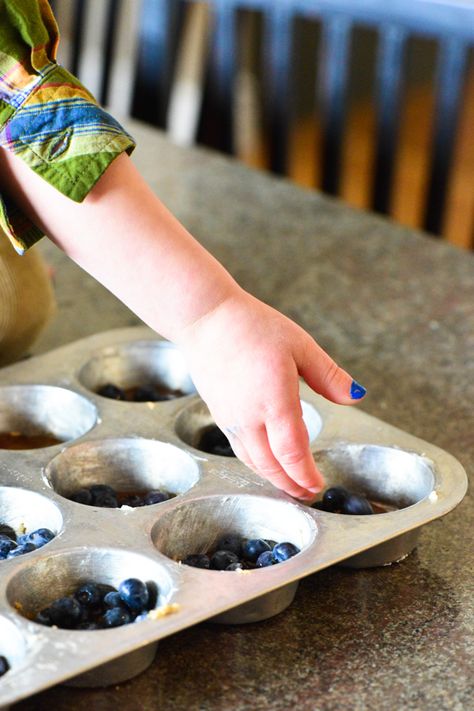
(26, 300)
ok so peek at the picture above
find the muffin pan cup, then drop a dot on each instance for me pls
(415, 480)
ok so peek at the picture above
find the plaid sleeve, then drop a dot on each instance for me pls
(47, 117)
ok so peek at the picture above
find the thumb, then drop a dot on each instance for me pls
(324, 376)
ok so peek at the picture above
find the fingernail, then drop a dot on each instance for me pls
(306, 497)
(315, 489)
(357, 390)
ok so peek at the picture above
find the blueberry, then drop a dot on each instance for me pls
(21, 540)
(8, 531)
(319, 505)
(356, 506)
(81, 496)
(283, 551)
(270, 542)
(21, 550)
(134, 593)
(155, 497)
(232, 542)
(88, 595)
(145, 393)
(104, 496)
(7, 544)
(220, 560)
(265, 559)
(252, 548)
(197, 560)
(4, 666)
(153, 593)
(65, 612)
(334, 498)
(111, 391)
(104, 589)
(113, 599)
(43, 617)
(40, 537)
(116, 617)
(214, 441)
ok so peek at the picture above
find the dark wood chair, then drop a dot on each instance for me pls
(450, 23)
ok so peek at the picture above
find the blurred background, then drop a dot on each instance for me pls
(368, 100)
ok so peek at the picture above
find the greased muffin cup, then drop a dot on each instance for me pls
(82, 438)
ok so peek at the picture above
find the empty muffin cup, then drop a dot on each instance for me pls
(197, 526)
(130, 465)
(391, 479)
(33, 416)
(36, 586)
(196, 419)
(26, 511)
(142, 363)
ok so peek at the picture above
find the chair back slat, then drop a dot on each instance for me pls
(186, 95)
(159, 30)
(91, 60)
(223, 73)
(120, 55)
(277, 51)
(450, 79)
(333, 74)
(78, 35)
(388, 96)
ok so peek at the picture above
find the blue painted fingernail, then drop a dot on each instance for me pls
(357, 390)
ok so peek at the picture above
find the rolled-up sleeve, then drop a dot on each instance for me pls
(47, 117)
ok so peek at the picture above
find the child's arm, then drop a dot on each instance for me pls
(245, 357)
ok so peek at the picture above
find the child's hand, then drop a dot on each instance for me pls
(245, 359)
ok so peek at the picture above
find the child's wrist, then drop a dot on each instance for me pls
(211, 322)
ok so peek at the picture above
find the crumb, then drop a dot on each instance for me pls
(163, 611)
(241, 571)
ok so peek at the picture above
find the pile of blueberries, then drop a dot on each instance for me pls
(140, 393)
(105, 496)
(340, 500)
(12, 545)
(213, 441)
(96, 606)
(4, 665)
(234, 552)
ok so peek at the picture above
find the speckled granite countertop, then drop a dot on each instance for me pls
(397, 310)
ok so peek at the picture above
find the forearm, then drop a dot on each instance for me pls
(124, 236)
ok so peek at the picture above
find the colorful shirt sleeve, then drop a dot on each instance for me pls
(47, 117)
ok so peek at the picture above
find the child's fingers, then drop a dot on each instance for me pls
(264, 462)
(289, 442)
(325, 377)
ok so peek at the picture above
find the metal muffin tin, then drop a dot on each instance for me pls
(149, 445)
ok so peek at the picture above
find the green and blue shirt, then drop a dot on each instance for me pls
(46, 116)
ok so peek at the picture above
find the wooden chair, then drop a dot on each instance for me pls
(449, 22)
(142, 45)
